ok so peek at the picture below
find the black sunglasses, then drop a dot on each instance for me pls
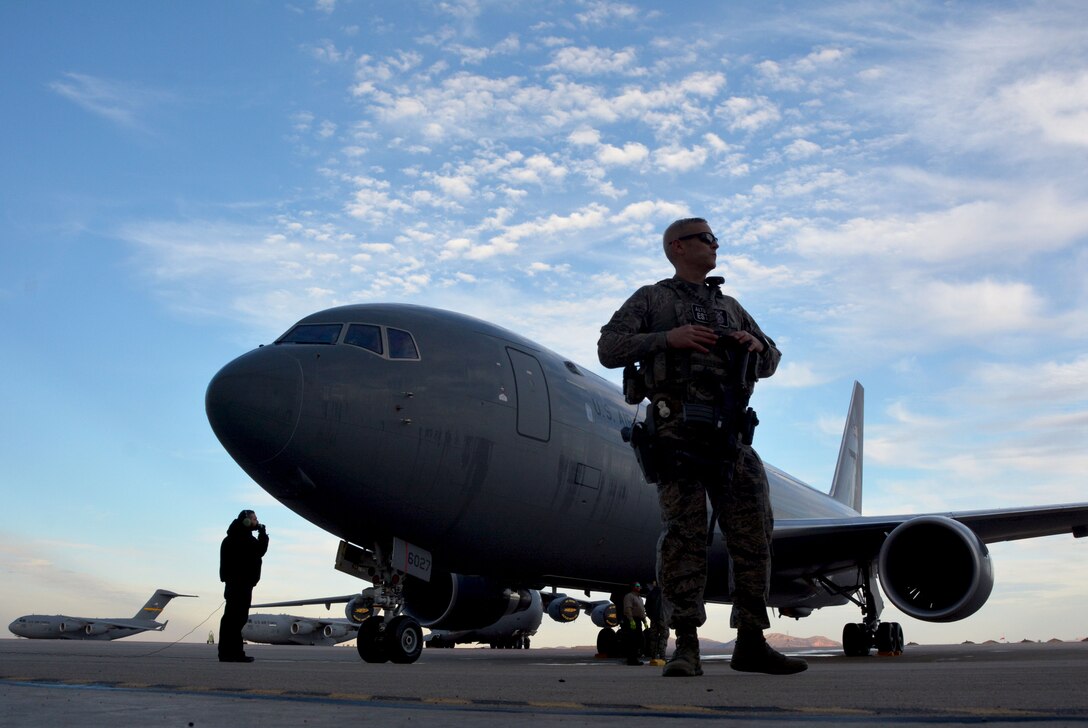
(708, 238)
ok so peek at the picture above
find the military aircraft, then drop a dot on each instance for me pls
(286, 629)
(511, 631)
(464, 466)
(61, 627)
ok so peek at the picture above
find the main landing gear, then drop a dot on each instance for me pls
(861, 637)
(391, 636)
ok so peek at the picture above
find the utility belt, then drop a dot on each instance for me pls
(714, 436)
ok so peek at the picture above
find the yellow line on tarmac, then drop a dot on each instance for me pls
(349, 696)
(678, 709)
(447, 701)
(831, 711)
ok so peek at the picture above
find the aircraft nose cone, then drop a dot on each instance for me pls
(253, 404)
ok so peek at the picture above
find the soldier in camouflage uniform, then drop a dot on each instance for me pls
(700, 353)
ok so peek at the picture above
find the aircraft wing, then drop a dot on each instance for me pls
(327, 601)
(129, 624)
(822, 545)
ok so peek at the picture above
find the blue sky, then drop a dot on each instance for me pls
(899, 188)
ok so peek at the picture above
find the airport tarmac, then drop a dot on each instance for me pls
(48, 682)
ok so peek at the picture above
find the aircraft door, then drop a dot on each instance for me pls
(534, 406)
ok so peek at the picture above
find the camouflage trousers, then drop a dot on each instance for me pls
(657, 641)
(744, 516)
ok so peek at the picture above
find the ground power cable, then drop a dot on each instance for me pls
(194, 629)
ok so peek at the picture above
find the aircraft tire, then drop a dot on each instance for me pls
(404, 640)
(856, 640)
(889, 638)
(370, 642)
(608, 643)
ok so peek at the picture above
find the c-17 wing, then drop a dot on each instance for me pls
(327, 601)
(146, 624)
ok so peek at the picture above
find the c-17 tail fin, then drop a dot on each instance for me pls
(157, 603)
(846, 485)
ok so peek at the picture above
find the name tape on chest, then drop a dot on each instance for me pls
(714, 318)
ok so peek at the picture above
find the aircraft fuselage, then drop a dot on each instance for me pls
(492, 452)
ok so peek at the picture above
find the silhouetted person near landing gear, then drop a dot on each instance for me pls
(239, 569)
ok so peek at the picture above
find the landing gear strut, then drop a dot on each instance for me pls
(393, 636)
(859, 638)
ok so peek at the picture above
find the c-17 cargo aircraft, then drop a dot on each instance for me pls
(61, 627)
(464, 466)
(510, 631)
(286, 629)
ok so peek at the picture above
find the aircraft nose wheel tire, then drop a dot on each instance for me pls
(401, 641)
(404, 640)
(370, 642)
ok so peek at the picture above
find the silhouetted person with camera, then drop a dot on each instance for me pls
(239, 569)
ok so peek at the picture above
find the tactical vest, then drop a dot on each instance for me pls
(717, 376)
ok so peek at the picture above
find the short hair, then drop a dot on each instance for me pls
(672, 232)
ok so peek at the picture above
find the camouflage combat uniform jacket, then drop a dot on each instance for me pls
(738, 489)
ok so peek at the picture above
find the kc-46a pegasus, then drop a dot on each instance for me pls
(465, 467)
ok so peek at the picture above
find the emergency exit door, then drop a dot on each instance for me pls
(534, 406)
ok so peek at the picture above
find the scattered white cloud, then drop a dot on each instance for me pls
(1053, 104)
(630, 153)
(749, 114)
(122, 103)
(592, 61)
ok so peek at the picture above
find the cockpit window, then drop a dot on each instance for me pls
(366, 336)
(401, 345)
(312, 334)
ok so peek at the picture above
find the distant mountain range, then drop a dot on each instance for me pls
(776, 640)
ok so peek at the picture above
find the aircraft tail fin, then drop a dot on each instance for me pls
(157, 603)
(846, 485)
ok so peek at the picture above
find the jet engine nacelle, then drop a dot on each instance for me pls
(95, 628)
(456, 602)
(72, 626)
(301, 627)
(564, 609)
(604, 615)
(337, 631)
(936, 569)
(359, 609)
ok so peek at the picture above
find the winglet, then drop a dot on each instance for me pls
(846, 485)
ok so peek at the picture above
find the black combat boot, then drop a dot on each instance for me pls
(685, 658)
(751, 653)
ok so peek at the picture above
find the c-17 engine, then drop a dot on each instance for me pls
(564, 609)
(605, 615)
(337, 631)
